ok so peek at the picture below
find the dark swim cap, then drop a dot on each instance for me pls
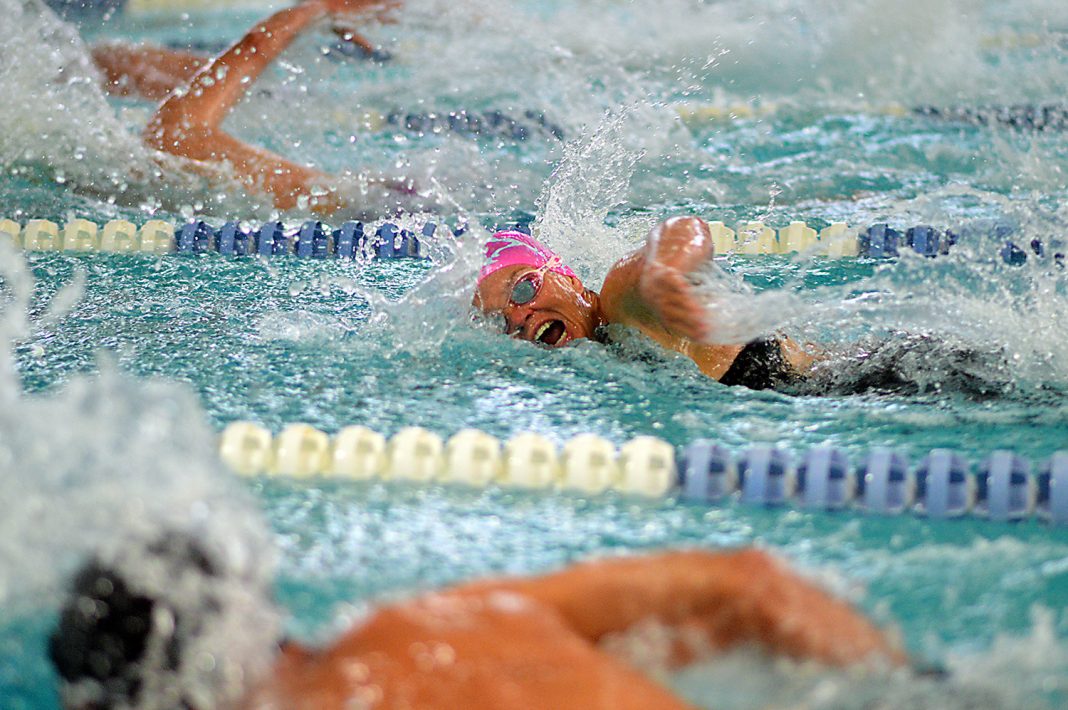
(132, 628)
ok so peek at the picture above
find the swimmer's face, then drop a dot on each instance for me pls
(558, 311)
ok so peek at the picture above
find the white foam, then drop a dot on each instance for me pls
(108, 464)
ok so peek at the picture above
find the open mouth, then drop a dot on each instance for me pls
(550, 332)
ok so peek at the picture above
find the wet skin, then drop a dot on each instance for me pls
(648, 289)
(645, 290)
(528, 644)
(563, 309)
(198, 94)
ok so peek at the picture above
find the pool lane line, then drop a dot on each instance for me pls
(311, 239)
(1048, 117)
(354, 240)
(942, 484)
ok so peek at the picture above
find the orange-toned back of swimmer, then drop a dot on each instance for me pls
(533, 643)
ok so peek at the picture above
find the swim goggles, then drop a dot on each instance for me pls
(524, 291)
(526, 288)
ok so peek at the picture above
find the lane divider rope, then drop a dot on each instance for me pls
(942, 484)
(310, 239)
(1029, 118)
(313, 239)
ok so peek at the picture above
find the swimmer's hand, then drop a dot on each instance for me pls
(651, 290)
(367, 197)
(675, 249)
(670, 296)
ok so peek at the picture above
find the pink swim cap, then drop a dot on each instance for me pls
(512, 248)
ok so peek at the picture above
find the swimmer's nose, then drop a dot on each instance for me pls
(516, 317)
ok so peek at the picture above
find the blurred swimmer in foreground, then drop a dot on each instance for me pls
(199, 94)
(130, 639)
(540, 299)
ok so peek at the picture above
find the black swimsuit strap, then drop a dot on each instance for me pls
(759, 366)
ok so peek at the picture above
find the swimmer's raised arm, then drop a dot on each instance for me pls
(188, 123)
(649, 289)
(727, 599)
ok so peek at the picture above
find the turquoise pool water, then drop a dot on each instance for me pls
(390, 345)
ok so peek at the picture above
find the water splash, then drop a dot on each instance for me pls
(591, 180)
(1010, 674)
(437, 308)
(110, 462)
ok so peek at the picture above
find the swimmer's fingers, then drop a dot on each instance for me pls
(789, 615)
(388, 15)
(682, 316)
(683, 243)
(667, 292)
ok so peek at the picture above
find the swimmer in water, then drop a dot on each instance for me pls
(124, 641)
(541, 300)
(199, 94)
(539, 297)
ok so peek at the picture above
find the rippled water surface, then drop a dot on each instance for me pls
(794, 110)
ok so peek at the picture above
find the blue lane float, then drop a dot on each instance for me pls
(943, 487)
(923, 240)
(491, 123)
(766, 476)
(349, 240)
(884, 482)
(314, 240)
(1052, 494)
(233, 239)
(707, 472)
(196, 238)
(270, 239)
(879, 241)
(824, 479)
(1038, 118)
(942, 484)
(1005, 488)
(311, 240)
